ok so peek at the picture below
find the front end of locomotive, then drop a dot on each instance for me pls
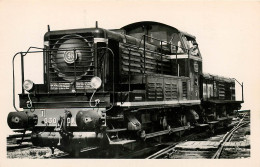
(68, 111)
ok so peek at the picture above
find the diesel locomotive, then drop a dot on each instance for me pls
(114, 87)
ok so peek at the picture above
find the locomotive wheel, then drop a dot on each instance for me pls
(52, 150)
(224, 111)
(215, 114)
(212, 129)
(183, 120)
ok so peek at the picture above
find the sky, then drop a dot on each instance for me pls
(227, 33)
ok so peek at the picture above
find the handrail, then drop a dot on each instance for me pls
(242, 86)
(161, 51)
(42, 50)
(144, 56)
(22, 55)
(14, 83)
(167, 43)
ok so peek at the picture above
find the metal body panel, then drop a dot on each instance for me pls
(64, 100)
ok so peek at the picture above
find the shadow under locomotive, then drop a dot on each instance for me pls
(114, 87)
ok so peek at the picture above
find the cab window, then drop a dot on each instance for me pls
(191, 44)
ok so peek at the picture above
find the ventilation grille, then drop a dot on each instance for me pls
(170, 91)
(184, 90)
(133, 61)
(221, 91)
(70, 63)
(155, 91)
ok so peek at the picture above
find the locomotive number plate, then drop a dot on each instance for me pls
(53, 120)
(52, 117)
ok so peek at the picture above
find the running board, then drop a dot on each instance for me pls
(115, 130)
(220, 119)
(201, 125)
(223, 118)
(213, 122)
(120, 142)
(168, 131)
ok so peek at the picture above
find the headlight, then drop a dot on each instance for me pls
(28, 85)
(95, 82)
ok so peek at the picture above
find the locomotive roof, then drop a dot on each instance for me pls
(135, 25)
(218, 77)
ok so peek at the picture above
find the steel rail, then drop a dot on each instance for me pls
(171, 147)
(68, 155)
(227, 137)
(163, 151)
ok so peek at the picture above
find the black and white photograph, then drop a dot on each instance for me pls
(112, 82)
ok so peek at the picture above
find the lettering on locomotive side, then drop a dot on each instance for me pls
(60, 86)
(67, 86)
(43, 111)
(83, 85)
(52, 120)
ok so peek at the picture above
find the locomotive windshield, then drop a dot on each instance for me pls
(156, 33)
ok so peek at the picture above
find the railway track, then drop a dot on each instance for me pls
(213, 148)
(238, 145)
(228, 137)
(142, 150)
(19, 145)
(162, 147)
(84, 153)
(19, 139)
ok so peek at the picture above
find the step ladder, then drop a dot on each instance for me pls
(116, 141)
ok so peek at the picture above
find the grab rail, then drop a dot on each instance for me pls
(242, 87)
(22, 69)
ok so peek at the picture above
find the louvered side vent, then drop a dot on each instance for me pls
(70, 63)
(133, 61)
(233, 94)
(170, 91)
(155, 91)
(184, 90)
(221, 91)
